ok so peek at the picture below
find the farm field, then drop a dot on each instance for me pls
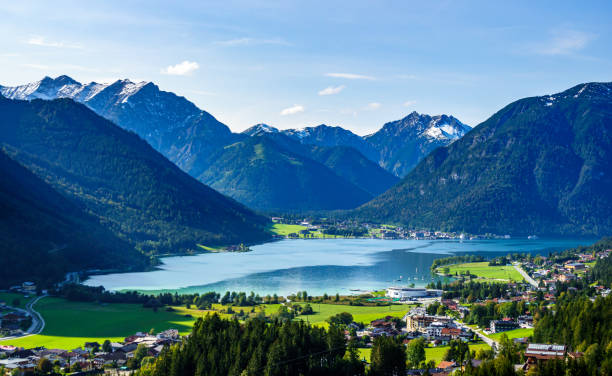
(516, 333)
(484, 271)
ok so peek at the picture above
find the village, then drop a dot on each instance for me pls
(437, 318)
(321, 228)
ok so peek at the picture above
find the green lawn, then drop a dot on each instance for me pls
(365, 354)
(516, 333)
(8, 298)
(360, 314)
(437, 353)
(70, 324)
(284, 230)
(483, 270)
(431, 353)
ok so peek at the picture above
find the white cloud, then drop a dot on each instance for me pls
(250, 41)
(565, 42)
(42, 41)
(409, 103)
(182, 69)
(350, 76)
(292, 110)
(331, 90)
(373, 106)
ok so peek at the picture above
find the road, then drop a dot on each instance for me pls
(531, 281)
(494, 345)
(38, 323)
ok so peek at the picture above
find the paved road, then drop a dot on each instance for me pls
(531, 281)
(493, 344)
(38, 323)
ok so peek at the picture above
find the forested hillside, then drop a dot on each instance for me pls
(44, 234)
(265, 175)
(539, 166)
(118, 178)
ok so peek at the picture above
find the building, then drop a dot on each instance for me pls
(574, 266)
(419, 323)
(542, 352)
(28, 287)
(434, 330)
(405, 293)
(525, 321)
(498, 326)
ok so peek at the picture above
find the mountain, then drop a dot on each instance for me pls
(171, 124)
(54, 233)
(120, 179)
(260, 129)
(189, 137)
(401, 144)
(324, 135)
(265, 175)
(540, 165)
(344, 161)
(397, 147)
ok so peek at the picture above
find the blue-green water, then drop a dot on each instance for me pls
(317, 266)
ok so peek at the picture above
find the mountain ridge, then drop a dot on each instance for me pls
(122, 180)
(539, 165)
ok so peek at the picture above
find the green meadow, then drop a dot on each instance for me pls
(360, 313)
(69, 325)
(516, 333)
(8, 298)
(484, 271)
(431, 353)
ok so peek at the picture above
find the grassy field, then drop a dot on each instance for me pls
(431, 353)
(484, 271)
(284, 230)
(365, 354)
(516, 333)
(8, 298)
(70, 324)
(360, 314)
(437, 353)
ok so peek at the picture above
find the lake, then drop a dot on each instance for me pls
(316, 265)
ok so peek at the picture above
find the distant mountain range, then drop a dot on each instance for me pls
(540, 165)
(397, 147)
(335, 158)
(119, 179)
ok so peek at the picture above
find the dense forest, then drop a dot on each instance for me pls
(226, 347)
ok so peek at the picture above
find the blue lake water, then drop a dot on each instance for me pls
(316, 265)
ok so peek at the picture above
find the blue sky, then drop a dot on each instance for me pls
(357, 64)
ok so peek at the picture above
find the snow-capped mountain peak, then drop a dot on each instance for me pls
(259, 129)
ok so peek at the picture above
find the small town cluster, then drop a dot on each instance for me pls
(468, 310)
(92, 356)
(320, 227)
